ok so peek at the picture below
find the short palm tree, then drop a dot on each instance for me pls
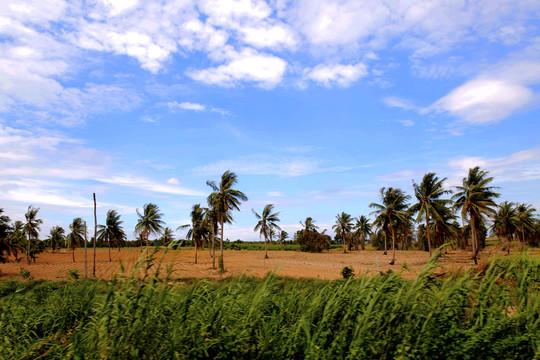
(56, 237)
(343, 227)
(475, 200)
(17, 238)
(197, 229)
(267, 222)
(283, 236)
(76, 236)
(392, 212)
(505, 222)
(526, 220)
(149, 222)
(429, 203)
(5, 232)
(31, 228)
(167, 237)
(309, 224)
(362, 229)
(112, 232)
(224, 200)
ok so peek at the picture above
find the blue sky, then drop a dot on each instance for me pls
(314, 104)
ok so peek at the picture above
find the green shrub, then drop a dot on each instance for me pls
(348, 272)
(24, 273)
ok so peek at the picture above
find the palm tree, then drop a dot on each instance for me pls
(31, 227)
(56, 237)
(526, 220)
(475, 199)
(112, 232)
(391, 213)
(283, 236)
(362, 229)
(5, 232)
(267, 222)
(444, 227)
(149, 222)
(167, 237)
(223, 200)
(197, 228)
(212, 220)
(428, 194)
(505, 222)
(309, 224)
(76, 236)
(17, 238)
(343, 227)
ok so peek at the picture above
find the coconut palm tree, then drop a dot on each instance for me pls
(309, 224)
(149, 222)
(56, 237)
(526, 220)
(392, 212)
(212, 220)
(5, 232)
(283, 236)
(343, 227)
(167, 237)
(444, 227)
(505, 222)
(362, 229)
(224, 200)
(31, 228)
(76, 236)
(112, 232)
(267, 222)
(197, 229)
(475, 200)
(429, 203)
(17, 238)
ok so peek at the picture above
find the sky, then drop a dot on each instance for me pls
(315, 105)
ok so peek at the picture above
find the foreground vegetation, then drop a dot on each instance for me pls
(491, 313)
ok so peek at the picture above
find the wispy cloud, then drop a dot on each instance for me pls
(336, 74)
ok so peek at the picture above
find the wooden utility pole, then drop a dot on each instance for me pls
(85, 253)
(95, 235)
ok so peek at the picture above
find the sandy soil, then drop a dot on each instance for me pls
(325, 265)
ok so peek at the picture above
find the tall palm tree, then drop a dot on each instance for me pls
(76, 236)
(526, 220)
(444, 227)
(5, 232)
(343, 227)
(17, 238)
(309, 224)
(429, 203)
(475, 200)
(31, 228)
(149, 222)
(392, 212)
(224, 200)
(112, 232)
(56, 237)
(362, 229)
(505, 222)
(197, 229)
(267, 222)
(212, 220)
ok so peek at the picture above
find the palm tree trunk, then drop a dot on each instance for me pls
(109, 250)
(221, 264)
(195, 241)
(393, 247)
(73, 253)
(428, 233)
(385, 244)
(213, 247)
(344, 244)
(28, 249)
(473, 236)
(265, 247)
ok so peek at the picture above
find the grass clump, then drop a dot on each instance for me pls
(492, 314)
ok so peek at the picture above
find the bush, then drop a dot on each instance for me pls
(348, 272)
(24, 273)
(74, 274)
(312, 241)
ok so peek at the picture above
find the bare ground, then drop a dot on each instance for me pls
(326, 265)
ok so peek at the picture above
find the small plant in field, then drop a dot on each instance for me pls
(347, 272)
(25, 273)
(74, 274)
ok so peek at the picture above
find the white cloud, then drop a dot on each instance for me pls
(147, 184)
(275, 194)
(173, 181)
(186, 106)
(341, 75)
(406, 122)
(247, 66)
(268, 165)
(484, 100)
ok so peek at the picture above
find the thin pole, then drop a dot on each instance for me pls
(95, 235)
(85, 253)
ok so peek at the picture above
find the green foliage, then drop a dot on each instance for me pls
(312, 241)
(74, 274)
(492, 314)
(24, 273)
(348, 272)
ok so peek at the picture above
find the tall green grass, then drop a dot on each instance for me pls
(492, 313)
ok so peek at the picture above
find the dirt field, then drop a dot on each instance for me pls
(325, 265)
